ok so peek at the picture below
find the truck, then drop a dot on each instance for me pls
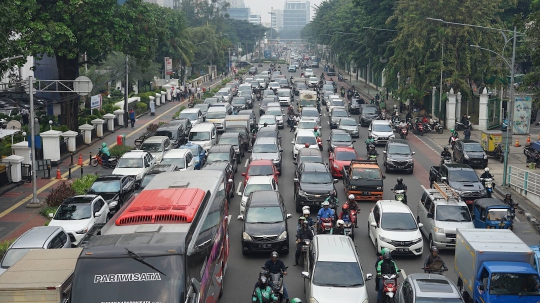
(461, 178)
(364, 180)
(42, 275)
(494, 265)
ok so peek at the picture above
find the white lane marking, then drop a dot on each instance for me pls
(324, 115)
(238, 192)
(403, 274)
(247, 162)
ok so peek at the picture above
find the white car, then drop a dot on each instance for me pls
(135, 163)
(182, 158)
(257, 183)
(274, 85)
(301, 138)
(78, 214)
(157, 146)
(309, 73)
(308, 124)
(335, 102)
(391, 225)
(284, 96)
(276, 112)
(313, 81)
(381, 130)
(270, 121)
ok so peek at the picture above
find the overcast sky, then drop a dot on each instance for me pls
(263, 7)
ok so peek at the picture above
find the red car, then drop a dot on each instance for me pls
(342, 155)
(260, 168)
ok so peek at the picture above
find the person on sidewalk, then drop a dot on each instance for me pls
(132, 117)
(467, 134)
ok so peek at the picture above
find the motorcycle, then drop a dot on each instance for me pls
(277, 284)
(325, 225)
(319, 142)
(304, 251)
(389, 284)
(98, 160)
(348, 229)
(403, 132)
(435, 126)
(260, 65)
(488, 185)
(372, 158)
(463, 126)
(446, 160)
(435, 268)
(512, 212)
(418, 128)
(400, 196)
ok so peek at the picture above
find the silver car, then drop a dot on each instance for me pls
(427, 288)
(350, 125)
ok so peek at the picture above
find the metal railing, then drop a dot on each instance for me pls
(524, 180)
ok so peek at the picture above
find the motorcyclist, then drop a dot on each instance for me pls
(401, 186)
(453, 137)
(486, 174)
(432, 257)
(263, 292)
(402, 124)
(324, 213)
(342, 90)
(340, 228)
(445, 154)
(351, 202)
(508, 199)
(276, 266)
(379, 258)
(302, 234)
(464, 120)
(301, 221)
(316, 132)
(332, 199)
(105, 154)
(372, 151)
(344, 214)
(369, 141)
(386, 266)
(308, 217)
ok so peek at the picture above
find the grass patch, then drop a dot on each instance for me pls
(45, 211)
(4, 245)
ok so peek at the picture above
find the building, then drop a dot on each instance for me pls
(237, 3)
(163, 3)
(295, 16)
(276, 21)
(239, 13)
(255, 19)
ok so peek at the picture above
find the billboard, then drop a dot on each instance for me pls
(168, 66)
(522, 115)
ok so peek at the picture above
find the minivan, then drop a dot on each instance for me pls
(193, 114)
(204, 134)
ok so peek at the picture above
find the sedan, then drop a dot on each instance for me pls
(199, 154)
(335, 115)
(276, 112)
(392, 225)
(270, 121)
(257, 183)
(349, 125)
(340, 157)
(260, 168)
(339, 137)
(239, 103)
(398, 156)
(470, 152)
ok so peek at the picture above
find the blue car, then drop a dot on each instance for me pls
(198, 153)
(536, 250)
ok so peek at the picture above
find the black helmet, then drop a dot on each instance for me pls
(372, 146)
(508, 196)
(446, 148)
(400, 180)
(387, 255)
(434, 249)
(274, 254)
(262, 281)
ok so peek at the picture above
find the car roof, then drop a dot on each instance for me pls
(260, 179)
(309, 152)
(155, 139)
(267, 116)
(304, 132)
(266, 140)
(191, 110)
(344, 149)
(219, 165)
(109, 177)
(35, 237)
(134, 154)
(315, 167)
(310, 109)
(169, 126)
(207, 126)
(220, 148)
(393, 207)
(230, 134)
(260, 162)
(433, 285)
(175, 153)
(335, 248)
(382, 122)
(339, 131)
(264, 197)
(217, 108)
(487, 202)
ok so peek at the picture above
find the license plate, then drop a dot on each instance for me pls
(366, 193)
(317, 196)
(266, 245)
(402, 249)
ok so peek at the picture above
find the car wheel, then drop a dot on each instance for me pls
(430, 241)
(386, 170)
(377, 248)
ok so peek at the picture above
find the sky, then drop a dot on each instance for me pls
(263, 7)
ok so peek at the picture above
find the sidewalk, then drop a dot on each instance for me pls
(16, 218)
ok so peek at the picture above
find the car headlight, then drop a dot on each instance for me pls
(417, 240)
(379, 188)
(438, 230)
(81, 231)
(312, 300)
(385, 239)
(336, 166)
(283, 236)
(113, 204)
(246, 237)
(302, 193)
(410, 160)
(352, 187)
(483, 192)
(466, 157)
(485, 157)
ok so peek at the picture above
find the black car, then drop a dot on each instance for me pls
(157, 169)
(175, 133)
(354, 105)
(312, 185)
(186, 125)
(309, 155)
(339, 137)
(335, 115)
(245, 136)
(252, 117)
(398, 156)
(470, 152)
(253, 70)
(222, 153)
(368, 113)
(298, 86)
(239, 103)
(331, 72)
(114, 189)
(264, 105)
(265, 223)
(236, 140)
(227, 170)
(270, 132)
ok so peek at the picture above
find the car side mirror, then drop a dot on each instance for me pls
(147, 165)
(97, 215)
(384, 152)
(281, 150)
(373, 224)
(240, 217)
(51, 215)
(413, 153)
(289, 216)
(443, 179)
(292, 142)
(230, 181)
(335, 180)
(244, 174)
(305, 275)
(369, 277)
(354, 141)
(420, 225)
(295, 180)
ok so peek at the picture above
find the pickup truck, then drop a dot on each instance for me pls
(364, 180)
(461, 178)
(494, 265)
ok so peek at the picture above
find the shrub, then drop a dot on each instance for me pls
(141, 107)
(110, 108)
(178, 112)
(97, 113)
(119, 150)
(83, 184)
(45, 211)
(4, 245)
(58, 194)
(116, 93)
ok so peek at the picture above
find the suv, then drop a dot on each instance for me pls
(222, 152)
(313, 183)
(175, 132)
(135, 163)
(157, 146)
(381, 130)
(267, 148)
(442, 212)
(470, 152)
(228, 172)
(237, 141)
(427, 288)
(114, 189)
(368, 113)
(398, 156)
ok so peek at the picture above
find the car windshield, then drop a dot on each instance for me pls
(338, 102)
(193, 148)
(256, 187)
(146, 179)
(151, 147)
(130, 163)
(366, 173)
(397, 221)
(267, 120)
(399, 149)
(345, 156)
(260, 170)
(167, 133)
(78, 211)
(190, 116)
(13, 255)
(215, 157)
(328, 87)
(369, 110)
(313, 79)
(339, 113)
(306, 139)
(497, 214)
(269, 93)
(211, 100)
(301, 86)
(382, 128)
(472, 147)
(199, 136)
(311, 159)
(238, 101)
(307, 124)
(202, 107)
(462, 176)
(222, 93)
(514, 284)
(274, 112)
(316, 178)
(228, 140)
(452, 213)
(341, 138)
(264, 215)
(264, 148)
(254, 83)
(347, 122)
(216, 115)
(283, 94)
(112, 186)
(273, 84)
(179, 162)
(337, 274)
(310, 113)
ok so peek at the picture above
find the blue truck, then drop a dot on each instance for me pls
(494, 265)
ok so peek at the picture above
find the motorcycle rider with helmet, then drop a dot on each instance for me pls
(386, 266)
(445, 153)
(263, 293)
(309, 219)
(324, 213)
(340, 228)
(344, 214)
(301, 221)
(351, 202)
(305, 233)
(332, 199)
(401, 186)
(453, 137)
(372, 151)
(433, 257)
(369, 141)
(486, 175)
(379, 258)
(402, 124)
(276, 266)
(316, 132)
(105, 154)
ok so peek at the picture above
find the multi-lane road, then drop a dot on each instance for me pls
(243, 271)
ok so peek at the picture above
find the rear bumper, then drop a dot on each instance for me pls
(366, 195)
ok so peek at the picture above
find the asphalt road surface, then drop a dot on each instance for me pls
(242, 271)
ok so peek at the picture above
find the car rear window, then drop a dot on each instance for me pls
(434, 285)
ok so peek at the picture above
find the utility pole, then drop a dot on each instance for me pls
(35, 199)
(126, 94)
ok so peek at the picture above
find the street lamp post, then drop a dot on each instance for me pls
(511, 65)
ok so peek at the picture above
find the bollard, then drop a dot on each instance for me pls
(90, 156)
(48, 171)
(80, 160)
(71, 158)
(81, 171)
(69, 172)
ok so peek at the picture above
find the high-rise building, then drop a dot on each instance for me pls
(276, 21)
(295, 15)
(255, 19)
(236, 3)
(239, 13)
(164, 3)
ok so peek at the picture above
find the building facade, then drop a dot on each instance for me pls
(255, 19)
(239, 13)
(276, 21)
(295, 16)
(236, 3)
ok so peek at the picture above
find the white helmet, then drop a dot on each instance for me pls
(325, 203)
(351, 197)
(486, 169)
(305, 207)
(340, 222)
(306, 212)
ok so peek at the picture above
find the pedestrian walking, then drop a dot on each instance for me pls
(467, 134)
(198, 93)
(132, 117)
(25, 114)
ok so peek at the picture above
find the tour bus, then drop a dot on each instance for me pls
(168, 244)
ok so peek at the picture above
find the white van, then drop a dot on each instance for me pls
(194, 115)
(204, 134)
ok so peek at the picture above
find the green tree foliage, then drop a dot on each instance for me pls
(532, 45)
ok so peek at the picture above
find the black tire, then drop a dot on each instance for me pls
(440, 130)
(501, 158)
(94, 162)
(430, 241)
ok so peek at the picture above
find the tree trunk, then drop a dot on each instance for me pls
(68, 69)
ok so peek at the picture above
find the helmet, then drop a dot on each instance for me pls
(345, 206)
(351, 197)
(306, 145)
(446, 148)
(305, 207)
(372, 146)
(387, 255)
(262, 280)
(400, 180)
(326, 203)
(486, 169)
(434, 249)
(451, 130)
(508, 195)
(265, 124)
(383, 250)
(306, 212)
(296, 300)
(274, 254)
(315, 128)
(332, 194)
(103, 144)
(302, 218)
(340, 222)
